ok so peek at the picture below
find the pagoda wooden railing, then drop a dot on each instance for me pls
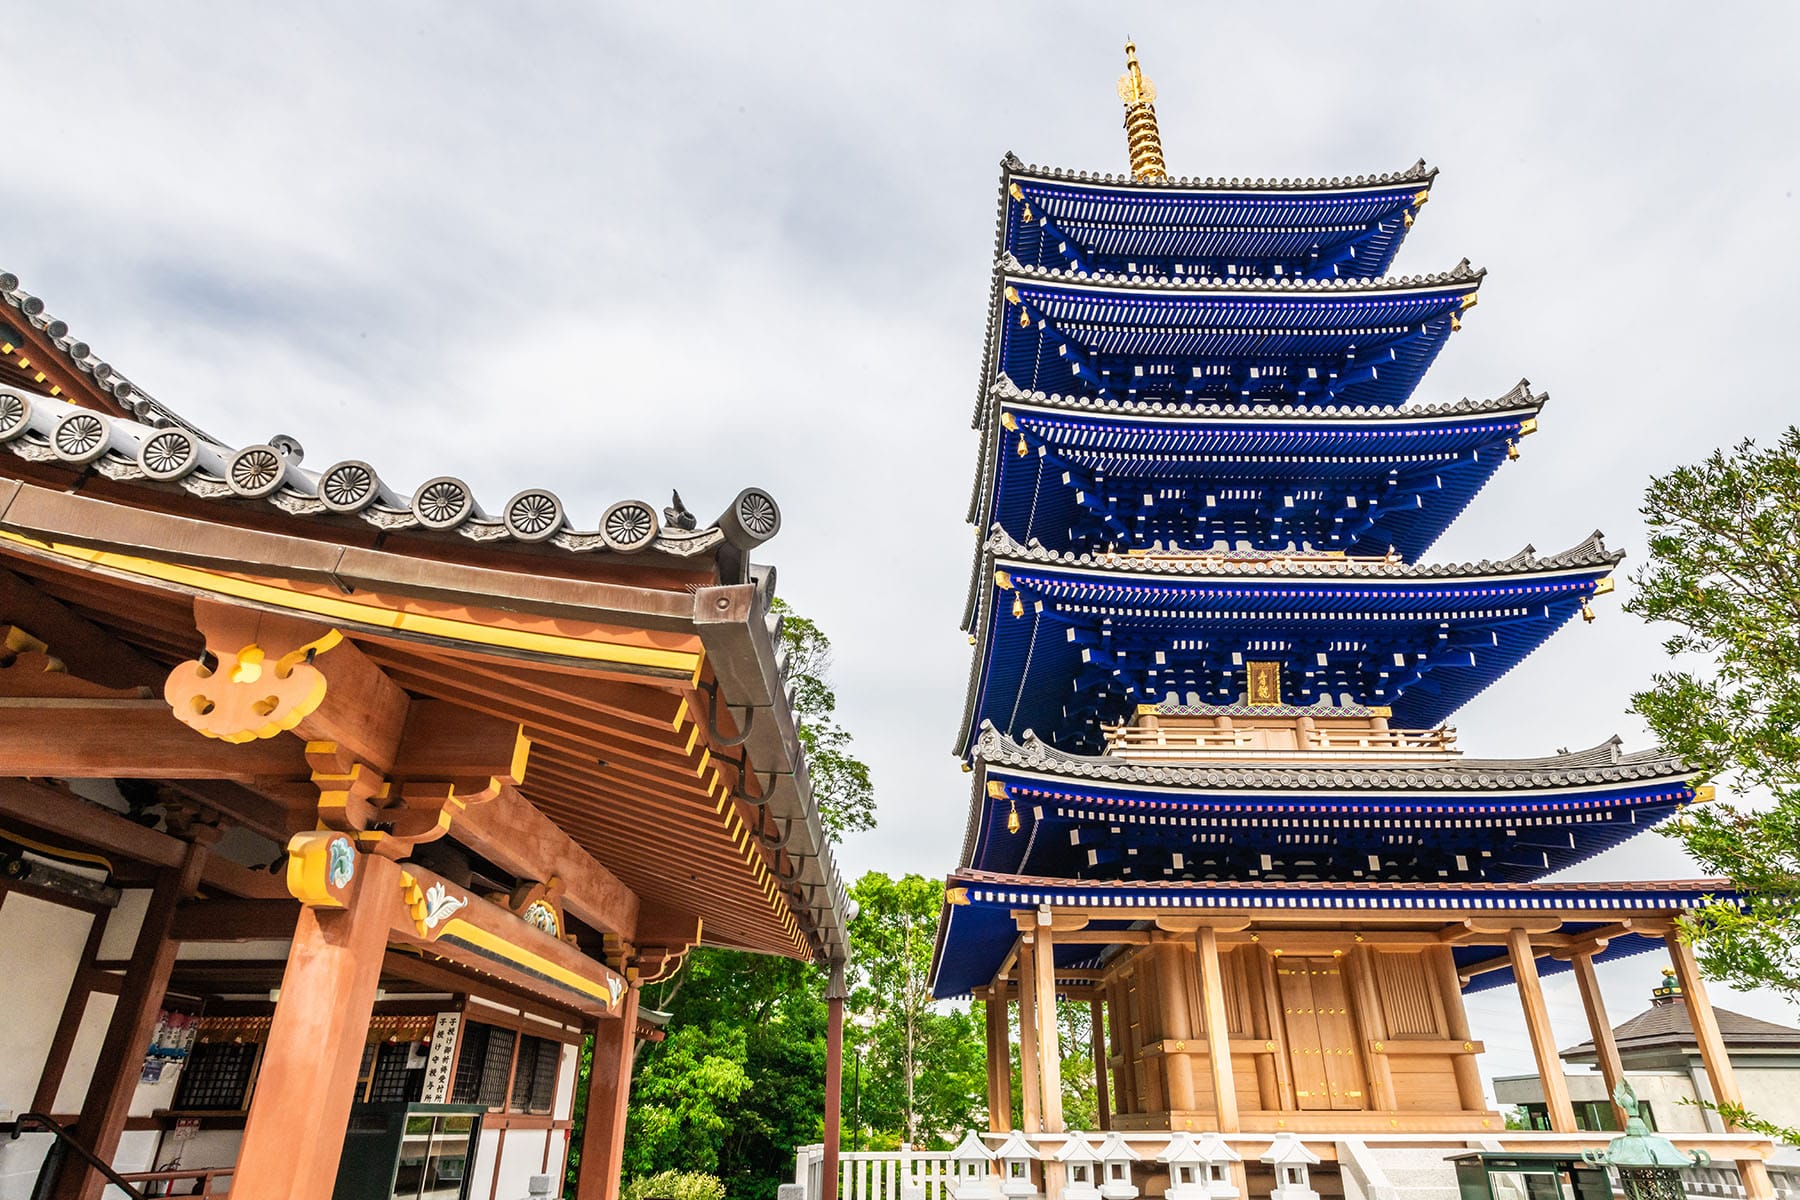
(1171, 742)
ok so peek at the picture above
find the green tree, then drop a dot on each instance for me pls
(840, 780)
(1724, 568)
(923, 1074)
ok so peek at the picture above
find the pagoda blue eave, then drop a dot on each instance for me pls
(1066, 642)
(1076, 474)
(1035, 810)
(1324, 342)
(978, 926)
(1252, 228)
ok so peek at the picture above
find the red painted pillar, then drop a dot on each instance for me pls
(609, 1096)
(294, 1134)
(834, 1080)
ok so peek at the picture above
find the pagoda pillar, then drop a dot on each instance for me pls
(608, 1096)
(1469, 1093)
(1049, 1034)
(1713, 1054)
(1177, 1026)
(1218, 1037)
(294, 1134)
(1606, 1051)
(1537, 1024)
(1372, 1024)
(1097, 1027)
(999, 1050)
(1029, 1093)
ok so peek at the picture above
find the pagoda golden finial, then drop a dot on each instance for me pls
(1141, 135)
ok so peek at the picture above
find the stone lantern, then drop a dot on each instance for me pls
(969, 1168)
(1016, 1154)
(1116, 1157)
(1082, 1169)
(1219, 1156)
(1187, 1168)
(1293, 1163)
(1648, 1164)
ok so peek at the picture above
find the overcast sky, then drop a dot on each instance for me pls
(612, 250)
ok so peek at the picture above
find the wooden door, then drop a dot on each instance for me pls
(1321, 1033)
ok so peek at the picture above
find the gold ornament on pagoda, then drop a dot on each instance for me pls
(1141, 135)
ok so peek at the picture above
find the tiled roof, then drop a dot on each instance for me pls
(1520, 398)
(1591, 551)
(156, 446)
(1010, 267)
(1666, 1026)
(1418, 173)
(1602, 764)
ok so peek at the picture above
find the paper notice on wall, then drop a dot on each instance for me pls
(441, 1066)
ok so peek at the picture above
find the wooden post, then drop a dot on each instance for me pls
(1706, 1026)
(1372, 1026)
(608, 1095)
(1218, 1037)
(1755, 1178)
(1177, 1024)
(1049, 1034)
(999, 1048)
(114, 1082)
(834, 1080)
(1605, 1049)
(1456, 1023)
(294, 1134)
(1284, 1070)
(1030, 1095)
(1537, 1024)
(1097, 1027)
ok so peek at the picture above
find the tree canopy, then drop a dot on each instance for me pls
(1724, 569)
(840, 780)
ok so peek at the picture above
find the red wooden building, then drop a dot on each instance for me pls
(315, 793)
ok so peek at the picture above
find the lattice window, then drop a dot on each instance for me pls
(217, 1077)
(484, 1065)
(390, 1080)
(534, 1083)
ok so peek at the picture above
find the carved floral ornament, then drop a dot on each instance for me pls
(241, 696)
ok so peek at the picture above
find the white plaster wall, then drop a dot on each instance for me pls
(40, 951)
(520, 1158)
(487, 1154)
(85, 1054)
(1772, 1094)
(123, 923)
(1665, 1091)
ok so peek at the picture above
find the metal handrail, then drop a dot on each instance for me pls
(50, 1125)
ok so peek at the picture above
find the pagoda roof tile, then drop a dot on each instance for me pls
(1590, 552)
(1418, 173)
(1519, 398)
(1462, 273)
(1606, 763)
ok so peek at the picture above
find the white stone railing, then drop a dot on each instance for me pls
(876, 1174)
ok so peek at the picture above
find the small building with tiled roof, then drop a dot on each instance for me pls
(1662, 1059)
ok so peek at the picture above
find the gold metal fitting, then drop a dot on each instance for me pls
(1512, 450)
(1587, 612)
(1012, 189)
(1528, 426)
(1470, 301)
(1603, 586)
(1455, 323)
(1141, 135)
(1018, 606)
(1023, 448)
(1012, 294)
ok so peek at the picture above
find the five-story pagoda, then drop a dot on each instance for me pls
(1214, 790)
